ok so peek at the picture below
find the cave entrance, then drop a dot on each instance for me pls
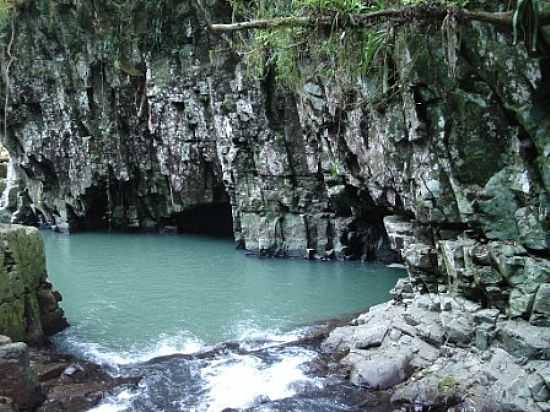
(215, 219)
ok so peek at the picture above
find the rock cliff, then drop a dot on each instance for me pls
(144, 120)
(139, 119)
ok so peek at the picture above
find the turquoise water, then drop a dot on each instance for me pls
(130, 298)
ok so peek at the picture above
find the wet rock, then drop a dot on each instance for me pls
(6, 405)
(339, 340)
(17, 380)
(69, 384)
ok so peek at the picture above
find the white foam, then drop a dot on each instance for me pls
(230, 381)
(238, 381)
(118, 403)
(165, 345)
(253, 338)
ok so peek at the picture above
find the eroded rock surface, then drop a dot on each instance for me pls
(440, 351)
(29, 309)
(153, 124)
(145, 121)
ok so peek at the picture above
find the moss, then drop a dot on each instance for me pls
(27, 251)
(12, 320)
(447, 386)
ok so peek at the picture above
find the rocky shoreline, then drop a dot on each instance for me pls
(439, 352)
(40, 379)
(32, 375)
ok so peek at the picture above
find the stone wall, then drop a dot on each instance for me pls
(29, 308)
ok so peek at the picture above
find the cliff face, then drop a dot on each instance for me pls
(142, 120)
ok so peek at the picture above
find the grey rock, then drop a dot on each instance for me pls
(531, 232)
(458, 326)
(540, 315)
(370, 335)
(380, 371)
(339, 340)
(487, 316)
(524, 340)
(17, 380)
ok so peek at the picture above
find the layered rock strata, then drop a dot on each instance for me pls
(141, 119)
(441, 162)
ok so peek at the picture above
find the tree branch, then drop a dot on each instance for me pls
(366, 19)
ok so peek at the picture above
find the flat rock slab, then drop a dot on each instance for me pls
(369, 336)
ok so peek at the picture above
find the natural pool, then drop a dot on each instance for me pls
(131, 298)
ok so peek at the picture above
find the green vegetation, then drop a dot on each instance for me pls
(447, 384)
(343, 39)
(6, 8)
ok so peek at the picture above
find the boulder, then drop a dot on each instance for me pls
(17, 380)
(370, 335)
(29, 307)
(379, 371)
(339, 340)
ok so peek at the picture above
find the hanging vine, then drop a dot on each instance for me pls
(7, 58)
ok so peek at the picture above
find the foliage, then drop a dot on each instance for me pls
(342, 53)
(6, 8)
(297, 53)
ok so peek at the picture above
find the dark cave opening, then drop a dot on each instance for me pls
(215, 219)
(96, 217)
